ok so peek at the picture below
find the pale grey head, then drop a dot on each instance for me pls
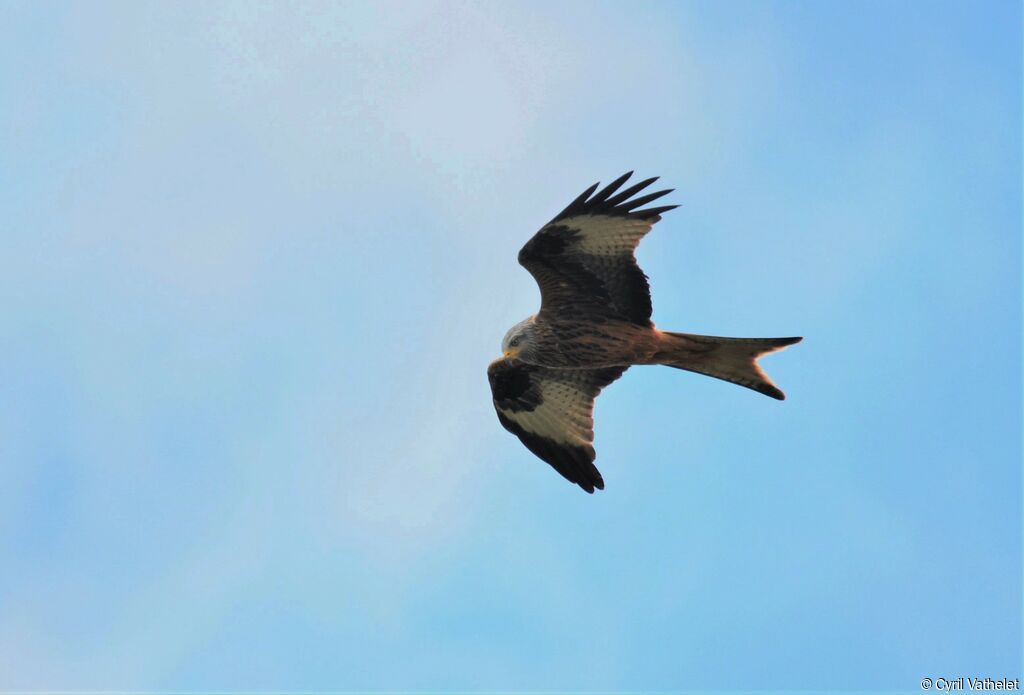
(518, 342)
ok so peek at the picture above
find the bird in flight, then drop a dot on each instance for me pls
(594, 323)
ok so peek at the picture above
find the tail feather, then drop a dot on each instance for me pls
(730, 359)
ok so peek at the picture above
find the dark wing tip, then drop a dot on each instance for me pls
(644, 199)
(609, 189)
(632, 190)
(651, 213)
(619, 204)
(573, 462)
(594, 482)
(577, 205)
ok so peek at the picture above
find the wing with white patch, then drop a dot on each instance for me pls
(584, 258)
(551, 411)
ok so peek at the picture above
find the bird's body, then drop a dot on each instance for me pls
(586, 344)
(594, 323)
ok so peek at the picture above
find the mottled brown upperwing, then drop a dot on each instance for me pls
(551, 411)
(583, 259)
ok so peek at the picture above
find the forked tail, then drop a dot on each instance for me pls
(731, 359)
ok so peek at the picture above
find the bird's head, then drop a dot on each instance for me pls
(517, 343)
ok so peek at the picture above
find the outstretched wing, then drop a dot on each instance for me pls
(551, 411)
(584, 258)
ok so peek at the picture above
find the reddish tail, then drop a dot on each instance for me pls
(731, 359)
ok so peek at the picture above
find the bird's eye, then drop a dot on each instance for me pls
(514, 342)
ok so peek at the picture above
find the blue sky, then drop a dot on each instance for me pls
(258, 256)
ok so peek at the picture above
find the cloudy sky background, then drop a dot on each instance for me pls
(257, 256)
